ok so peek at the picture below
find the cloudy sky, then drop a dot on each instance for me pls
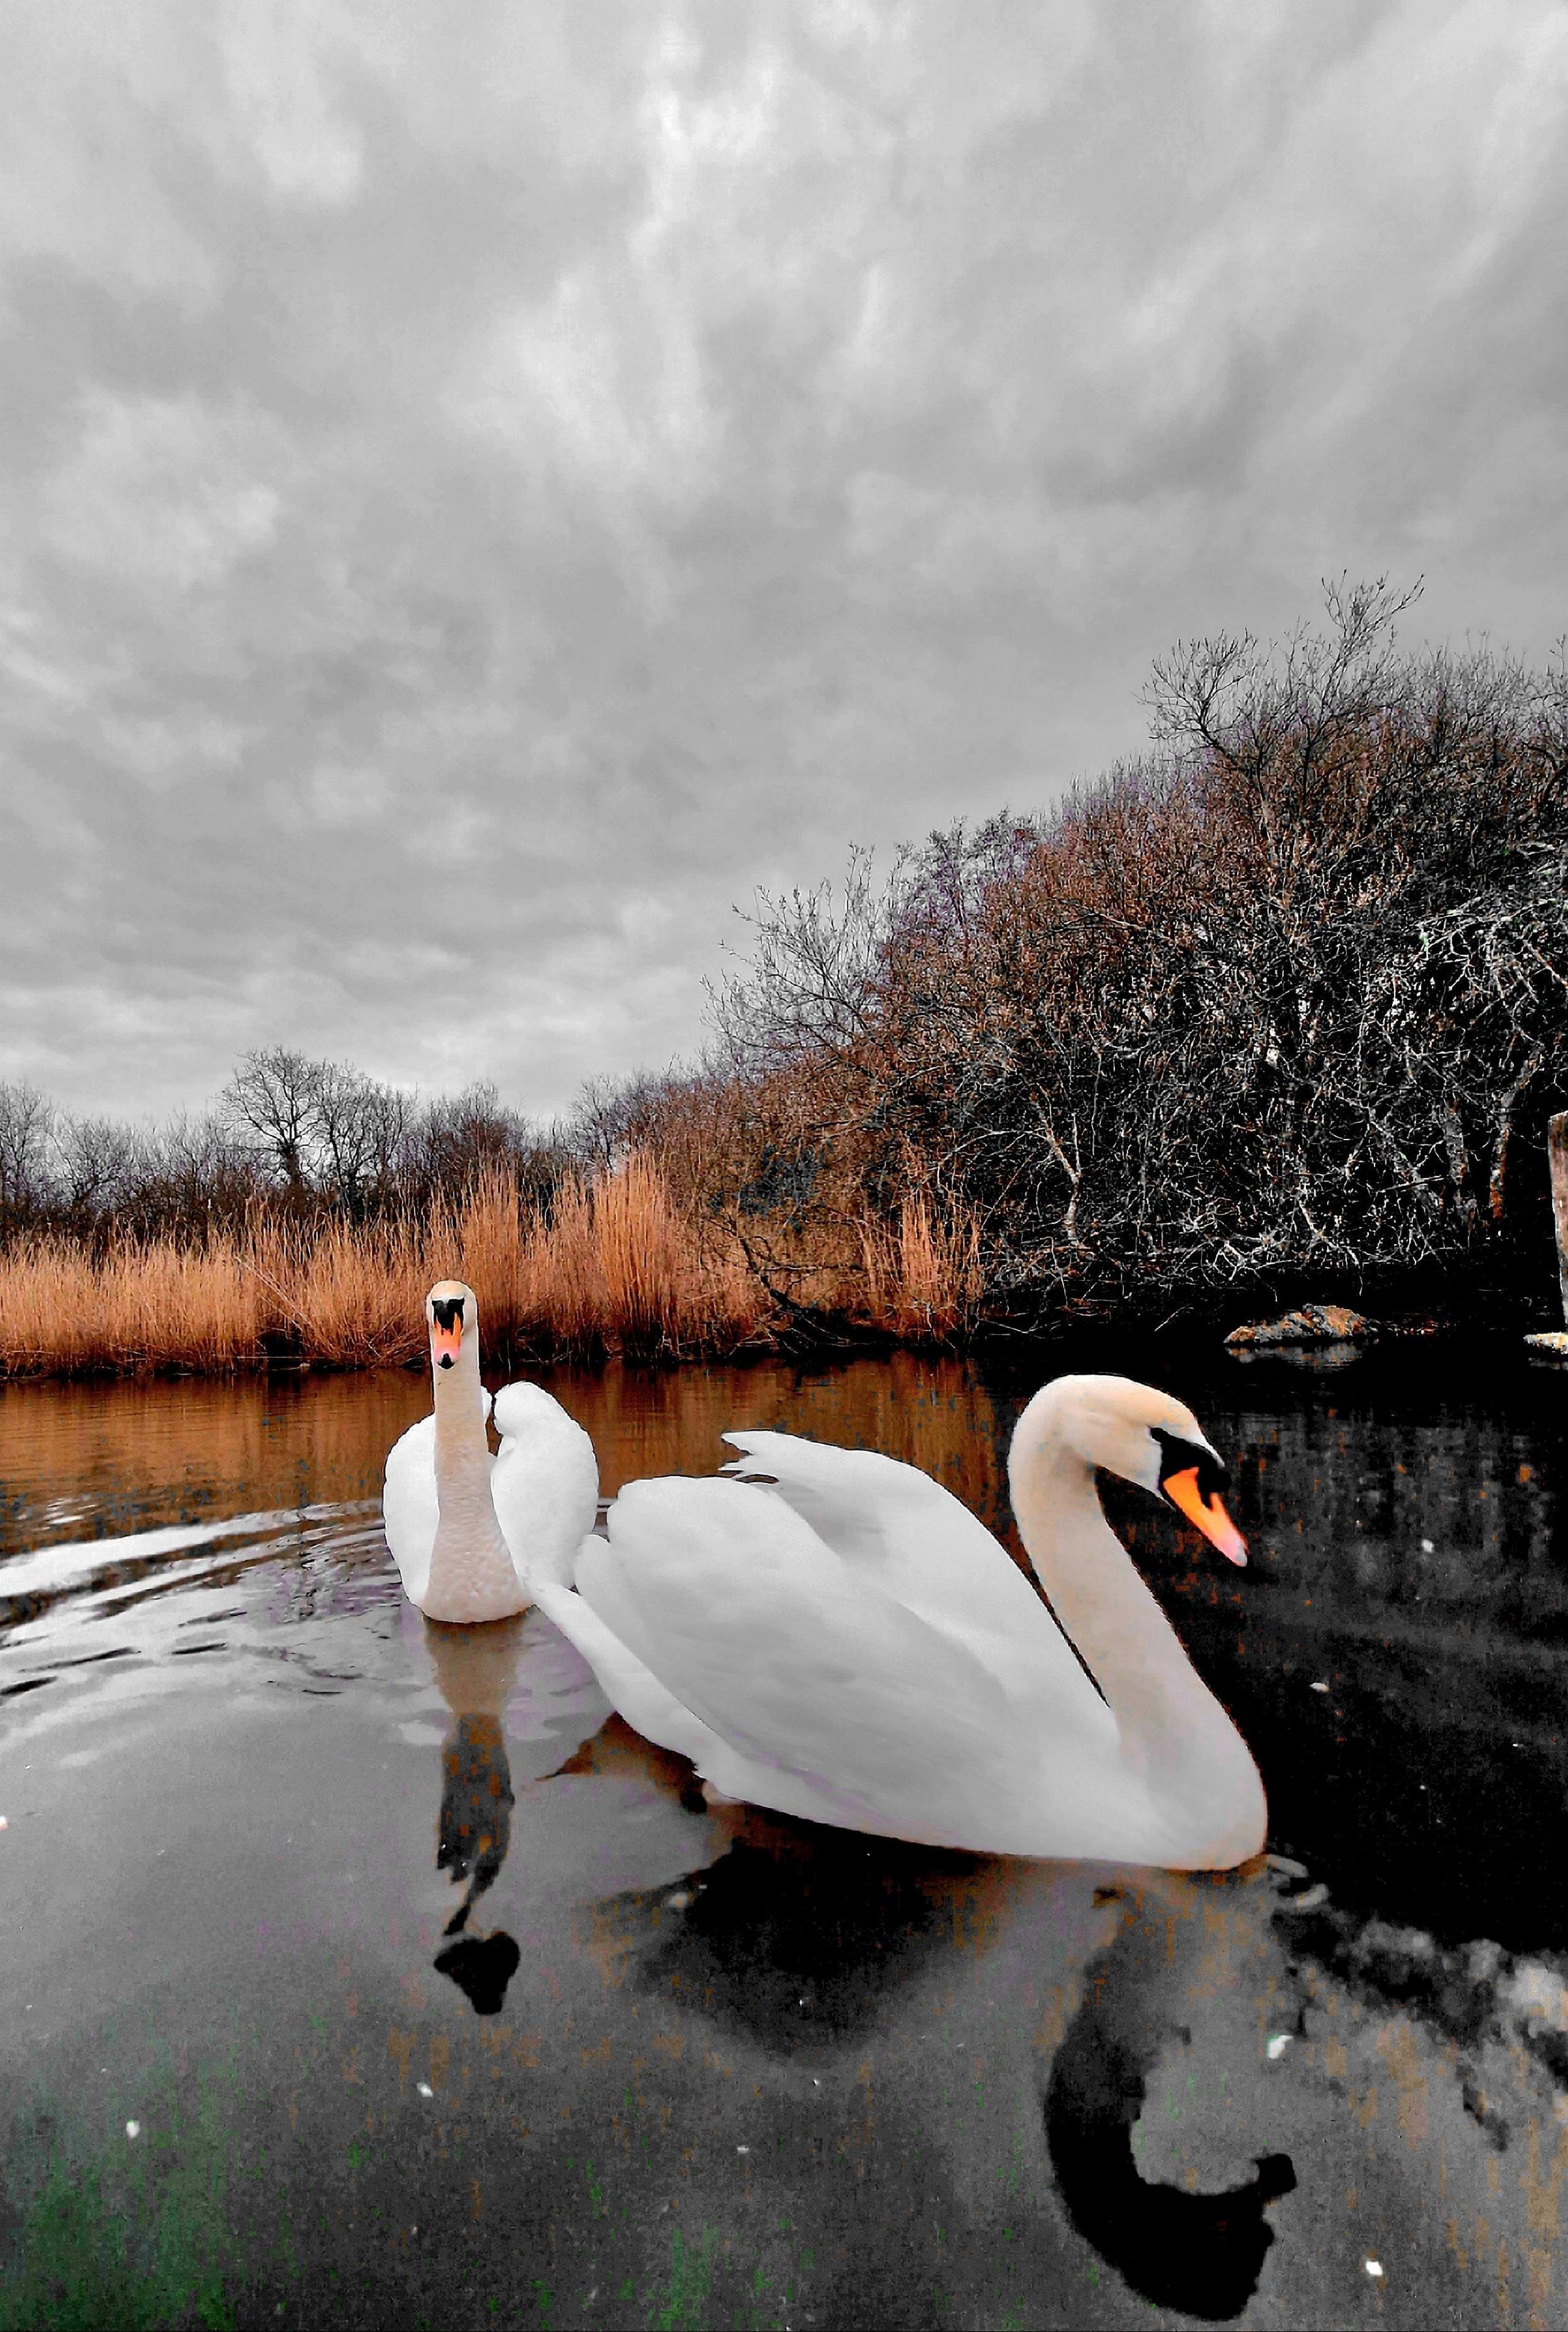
(485, 486)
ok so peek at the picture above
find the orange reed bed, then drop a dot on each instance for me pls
(620, 1266)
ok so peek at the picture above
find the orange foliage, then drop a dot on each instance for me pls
(618, 1266)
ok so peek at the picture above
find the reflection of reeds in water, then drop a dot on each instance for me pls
(618, 1266)
(89, 1460)
(929, 1412)
(86, 1458)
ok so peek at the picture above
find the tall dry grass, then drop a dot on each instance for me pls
(159, 1305)
(620, 1267)
(923, 1279)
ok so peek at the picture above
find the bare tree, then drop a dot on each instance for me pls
(316, 1135)
(273, 1095)
(98, 1163)
(456, 1138)
(808, 987)
(1287, 996)
(26, 1121)
(358, 1128)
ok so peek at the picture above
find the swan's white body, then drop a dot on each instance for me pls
(849, 1644)
(471, 1534)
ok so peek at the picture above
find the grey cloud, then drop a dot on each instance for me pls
(485, 491)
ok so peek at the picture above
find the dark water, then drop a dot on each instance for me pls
(353, 1970)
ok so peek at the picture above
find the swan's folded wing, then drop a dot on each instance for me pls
(901, 1530)
(409, 1510)
(545, 1482)
(748, 1619)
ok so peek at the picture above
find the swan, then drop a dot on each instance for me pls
(468, 1532)
(831, 1634)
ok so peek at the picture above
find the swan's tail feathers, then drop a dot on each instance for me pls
(647, 1707)
(575, 1567)
(822, 1481)
(554, 1553)
(753, 1448)
(824, 1467)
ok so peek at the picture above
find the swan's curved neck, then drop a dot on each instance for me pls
(1132, 1651)
(1175, 1736)
(472, 1572)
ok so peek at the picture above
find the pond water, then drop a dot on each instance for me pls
(358, 1972)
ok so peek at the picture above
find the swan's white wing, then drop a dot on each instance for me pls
(834, 1697)
(646, 1703)
(545, 1483)
(408, 1505)
(902, 1532)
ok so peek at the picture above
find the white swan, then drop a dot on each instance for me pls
(851, 1645)
(469, 1534)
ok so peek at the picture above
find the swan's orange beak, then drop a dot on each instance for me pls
(445, 1344)
(1210, 1517)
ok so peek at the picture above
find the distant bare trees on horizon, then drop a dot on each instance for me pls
(288, 1133)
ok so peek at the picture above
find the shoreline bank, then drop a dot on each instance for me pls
(385, 1329)
(619, 1266)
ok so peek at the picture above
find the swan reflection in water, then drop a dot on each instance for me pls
(1201, 2253)
(476, 1671)
(1105, 1999)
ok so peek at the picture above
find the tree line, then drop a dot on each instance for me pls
(1281, 1004)
(288, 1136)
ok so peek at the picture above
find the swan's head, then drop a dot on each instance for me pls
(1145, 1437)
(452, 1314)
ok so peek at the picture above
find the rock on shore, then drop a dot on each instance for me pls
(1313, 1323)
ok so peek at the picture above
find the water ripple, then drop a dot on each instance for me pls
(302, 1578)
